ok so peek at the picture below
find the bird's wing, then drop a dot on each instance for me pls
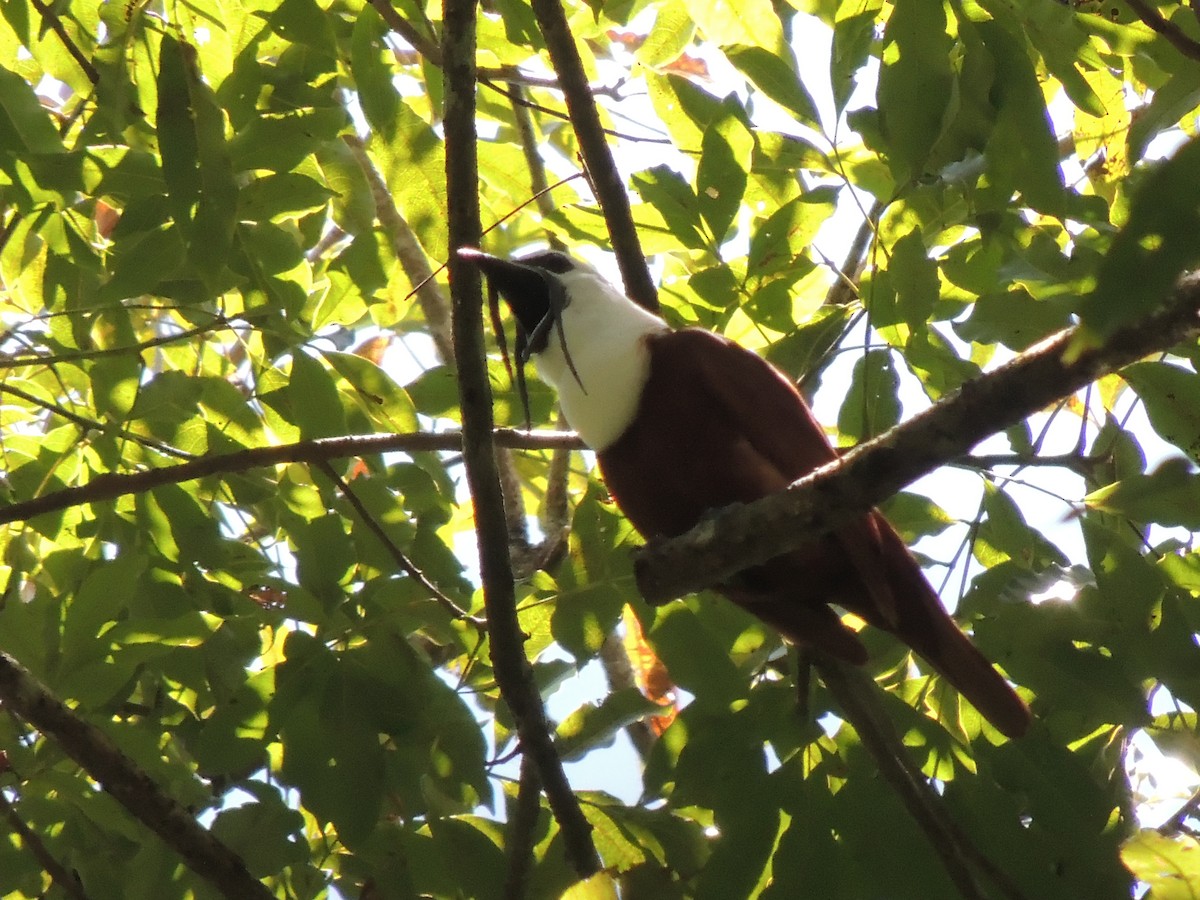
(781, 427)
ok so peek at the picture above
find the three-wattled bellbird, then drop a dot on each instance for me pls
(685, 422)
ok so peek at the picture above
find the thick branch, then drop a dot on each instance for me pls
(606, 180)
(514, 675)
(750, 534)
(521, 834)
(95, 751)
(110, 486)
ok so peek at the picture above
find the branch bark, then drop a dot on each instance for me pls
(111, 485)
(962, 860)
(750, 534)
(514, 675)
(1172, 33)
(59, 875)
(597, 158)
(95, 751)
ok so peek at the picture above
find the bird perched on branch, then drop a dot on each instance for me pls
(685, 422)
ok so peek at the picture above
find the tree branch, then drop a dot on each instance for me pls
(95, 751)
(855, 694)
(50, 17)
(750, 534)
(1176, 36)
(407, 565)
(514, 676)
(521, 833)
(597, 158)
(59, 876)
(109, 486)
(408, 251)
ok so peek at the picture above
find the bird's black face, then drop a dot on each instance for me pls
(529, 287)
(532, 289)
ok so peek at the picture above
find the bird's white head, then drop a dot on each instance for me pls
(585, 336)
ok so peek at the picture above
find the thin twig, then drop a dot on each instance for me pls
(50, 17)
(1189, 809)
(1176, 36)
(407, 565)
(514, 675)
(36, 359)
(66, 881)
(427, 47)
(566, 117)
(94, 424)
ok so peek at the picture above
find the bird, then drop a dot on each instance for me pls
(685, 422)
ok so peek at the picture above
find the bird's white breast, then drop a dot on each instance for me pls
(605, 334)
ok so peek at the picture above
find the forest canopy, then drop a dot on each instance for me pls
(286, 583)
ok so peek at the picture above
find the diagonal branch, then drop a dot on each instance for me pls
(1174, 35)
(747, 535)
(208, 857)
(63, 879)
(407, 565)
(111, 485)
(962, 860)
(597, 158)
(514, 675)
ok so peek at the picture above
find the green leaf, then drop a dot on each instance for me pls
(915, 84)
(278, 141)
(1168, 866)
(752, 23)
(412, 159)
(1160, 241)
(197, 165)
(601, 886)
(1005, 532)
(353, 203)
(672, 196)
(669, 36)
(1022, 152)
(268, 835)
(595, 725)
(774, 73)
(25, 126)
(1015, 319)
(1170, 103)
(286, 196)
(315, 401)
(1169, 495)
(853, 35)
(724, 163)
(914, 278)
(1172, 399)
(385, 401)
(331, 748)
(872, 404)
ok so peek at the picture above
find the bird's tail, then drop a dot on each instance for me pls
(923, 624)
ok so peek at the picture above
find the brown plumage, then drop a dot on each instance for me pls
(740, 431)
